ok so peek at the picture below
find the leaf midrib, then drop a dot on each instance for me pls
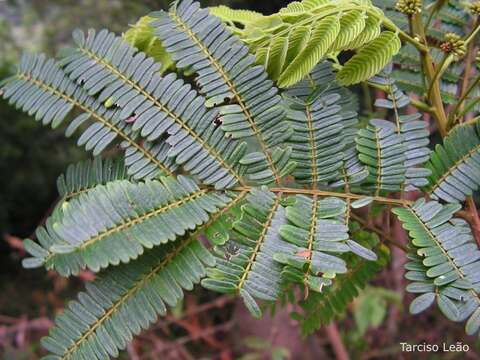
(148, 276)
(141, 218)
(99, 118)
(139, 284)
(454, 167)
(311, 238)
(457, 269)
(256, 132)
(313, 150)
(259, 242)
(212, 151)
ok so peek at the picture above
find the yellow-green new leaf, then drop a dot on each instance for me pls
(234, 16)
(141, 36)
(370, 59)
(325, 33)
(351, 25)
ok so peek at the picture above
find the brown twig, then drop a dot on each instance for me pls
(336, 342)
(379, 232)
(216, 303)
(474, 219)
(188, 338)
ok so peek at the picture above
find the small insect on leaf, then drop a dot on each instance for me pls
(218, 121)
(230, 250)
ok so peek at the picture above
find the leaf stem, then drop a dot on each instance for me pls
(347, 195)
(420, 105)
(434, 96)
(388, 24)
(454, 115)
(435, 8)
(379, 232)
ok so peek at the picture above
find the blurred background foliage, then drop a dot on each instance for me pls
(31, 158)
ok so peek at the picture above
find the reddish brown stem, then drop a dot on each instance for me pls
(336, 342)
(474, 219)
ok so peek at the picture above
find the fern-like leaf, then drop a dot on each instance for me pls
(381, 148)
(322, 308)
(42, 89)
(446, 265)
(330, 129)
(85, 175)
(412, 130)
(251, 270)
(370, 59)
(318, 233)
(126, 299)
(307, 32)
(325, 127)
(113, 223)
(455, 164)
(158, 106)
(200, 42)
(320, 41)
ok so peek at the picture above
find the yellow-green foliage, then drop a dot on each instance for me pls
(290, 43)
(370, 59)
(141, 36)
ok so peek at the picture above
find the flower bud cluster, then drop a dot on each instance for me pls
(409, 7)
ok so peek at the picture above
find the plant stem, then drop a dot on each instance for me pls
(379, 232)
(388, 24)
(441, 67)
(452, 118)
(435, 8)
(465, 90)
(379, 199)
(475, 220)
(336, 342)
(420, 105)
(435, 97)
(473, 33)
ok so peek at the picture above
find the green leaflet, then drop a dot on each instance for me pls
(320, 84)
(316, 113)
(455, 164)
(234, 16)
(322, 123)
(316, 235)
(446, 264)
(320, 41)
(370, 59)
(322, 308)
(87, 174)
(126, 299)
(249, 269)
(113, 223)
(382, 150)
(42, 89)
(307, 32)
(157, 106)
(251, 107)
(140, 35)
(352, 25)
(412, 131)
